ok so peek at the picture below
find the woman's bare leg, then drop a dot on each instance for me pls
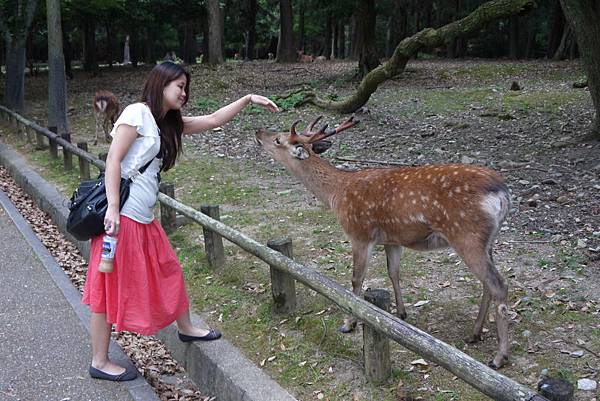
(100, 339)
(185, 326)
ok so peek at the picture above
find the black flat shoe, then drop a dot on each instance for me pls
(129, 374)
(212, 335)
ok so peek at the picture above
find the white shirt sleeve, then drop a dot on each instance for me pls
(137, 115)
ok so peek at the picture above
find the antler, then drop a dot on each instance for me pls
(309, 136)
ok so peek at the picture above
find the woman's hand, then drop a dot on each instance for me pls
(264, 102)
(111, 221)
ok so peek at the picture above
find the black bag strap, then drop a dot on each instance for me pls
(143, 168)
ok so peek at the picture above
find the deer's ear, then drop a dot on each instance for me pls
(299, 152)
(321, 146)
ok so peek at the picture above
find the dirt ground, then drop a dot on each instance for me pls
(436, 112)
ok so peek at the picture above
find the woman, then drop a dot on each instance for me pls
(146, 290)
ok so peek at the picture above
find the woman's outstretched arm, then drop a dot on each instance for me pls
(193, 125)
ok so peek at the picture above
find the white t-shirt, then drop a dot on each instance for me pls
(143, 191)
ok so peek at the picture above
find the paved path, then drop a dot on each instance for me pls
(44, 344)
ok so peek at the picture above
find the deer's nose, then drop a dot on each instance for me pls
(257, 137)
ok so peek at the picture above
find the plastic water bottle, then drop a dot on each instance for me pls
(109, 246)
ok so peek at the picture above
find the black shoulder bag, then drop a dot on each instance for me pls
(88, 205)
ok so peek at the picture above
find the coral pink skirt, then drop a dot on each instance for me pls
(146, 290)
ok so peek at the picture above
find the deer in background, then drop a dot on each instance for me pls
(106, 111)
(422, 208)
(304, 58)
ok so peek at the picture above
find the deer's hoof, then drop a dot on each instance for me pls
(402, 315)
(498, 362)
(473, 338)
(348, 327)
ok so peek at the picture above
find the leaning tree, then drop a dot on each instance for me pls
(427, 38)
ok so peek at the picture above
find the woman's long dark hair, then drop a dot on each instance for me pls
(170, 124)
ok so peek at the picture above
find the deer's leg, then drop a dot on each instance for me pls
(478, 259)
(107, 128)
(393, 254)
(483, 310)
(97, 128)
(361, 251)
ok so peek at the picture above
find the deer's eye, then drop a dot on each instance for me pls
(277, 141)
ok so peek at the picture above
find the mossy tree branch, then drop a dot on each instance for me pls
(427, 38)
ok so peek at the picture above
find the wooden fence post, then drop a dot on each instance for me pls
(29, 133)
(167, 214)
(283, 286)
(376, 346)
(84, 165)
(39, 139)
(53, 145)
(67, 155)
(213, 242)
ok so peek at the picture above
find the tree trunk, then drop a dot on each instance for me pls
(14, 31)
(285, 46)
(109, 45)
(342, 40)
(328, 26)
(14, 86)
(513, 52)
(584, 16)
(566, 44)
(215, 32)
(57, 83)
(557, 26)
(530, 29)
(397, 26)
(189, 43)
(355, 37)
(149, 56)
(368, 59)
(302, 39)
(427, 38)
(250, 29)
(89, 50)
(335, 46)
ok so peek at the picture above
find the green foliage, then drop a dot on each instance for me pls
(289, 102)
(206, 103)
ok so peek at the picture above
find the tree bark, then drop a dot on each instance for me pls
(342, 40)
(215, 32)
(327, 44)
(189, 43)
(427, 38)
(285, 46)
(557, 26)
(57, 83)
(89, 50)
(109, 45)
(584, 16)
(250, 29)
(15, 35)
(513, 52)
(368, 59)
(567, 42)
(302, 39)
(397, 27)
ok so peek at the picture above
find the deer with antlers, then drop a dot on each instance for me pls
(106, 111)
(422, 208)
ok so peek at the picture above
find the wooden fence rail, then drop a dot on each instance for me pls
(478, 375)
